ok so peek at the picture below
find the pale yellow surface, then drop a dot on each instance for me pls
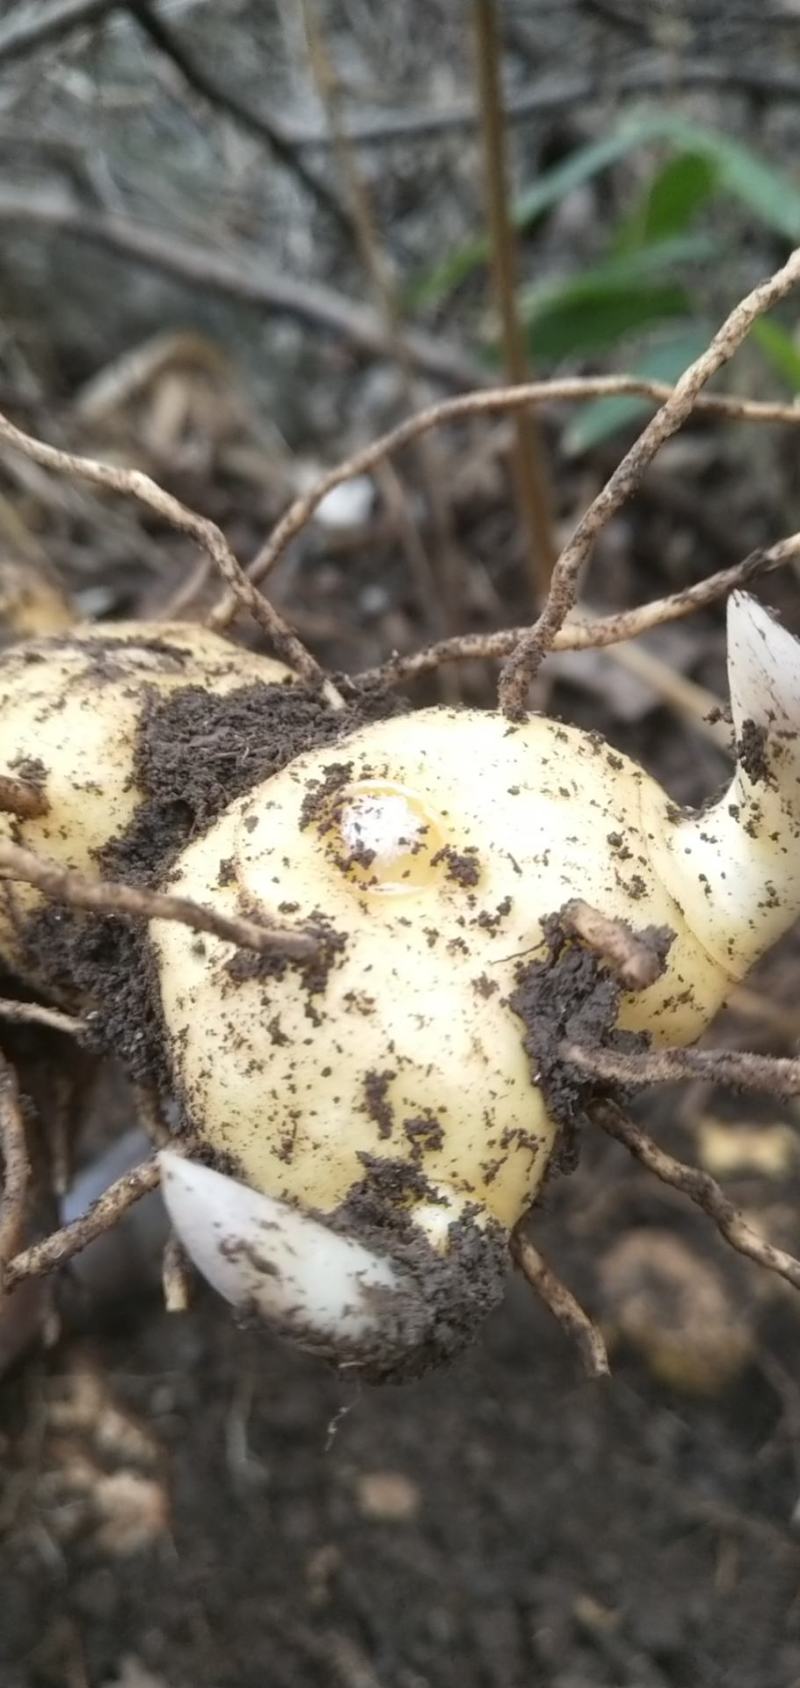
(279, 1075)
(73, 703)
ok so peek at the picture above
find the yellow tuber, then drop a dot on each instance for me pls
(380, 1113)
(70, 712)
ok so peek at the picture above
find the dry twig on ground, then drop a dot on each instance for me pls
(562, 1304)
(483, 402)
(521, 667)
(104, 896)
(701, 1189)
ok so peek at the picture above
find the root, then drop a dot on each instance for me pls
(562, 1304)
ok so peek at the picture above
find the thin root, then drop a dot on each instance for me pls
(700, 1188)
(53, 1251)
(562, 1304)
(16, 1166)
(105, 896)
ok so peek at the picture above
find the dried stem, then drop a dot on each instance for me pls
(489, 402)
(523, 664)
(770, 1074)
(562, 1304)
(701, 1189)
(16, 1167)
(104, 896)
(35, 1014)
(533, 481)
(53, 1251)
(176, 1276)
(134, 483)
(19, 798)
(585, 634)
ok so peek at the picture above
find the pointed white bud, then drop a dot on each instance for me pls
(328, 1293)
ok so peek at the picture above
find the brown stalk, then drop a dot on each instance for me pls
(523, 664)
(36, 1014)
(103, 896)
(531, 474)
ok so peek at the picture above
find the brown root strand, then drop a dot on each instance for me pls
(770, 1074)
(589, 635)
(135, 484)
(562, 1304)
(36, 1014)
(523, 664)
(700, 1188)
(635, 962)
(16, 1166)
(19, 798)
(103, 896)
(54, 1251)
(483, 402)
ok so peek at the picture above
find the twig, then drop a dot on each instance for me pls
(533, 484)
(521, 667)
(135, 484)
(48, 24)
(53, 1251)
(488, 402)
(701, 1189)
(36, 1014)
(18, 797)
(239, 273)
(635, 962)
(266, 129)
(562, 1304)
(105, 896)
(547, 97)
(586, 635)
(771, 1074)
(16, 1167)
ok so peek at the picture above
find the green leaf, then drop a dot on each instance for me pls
(554, 185)
(671, 202)
(779, 350)
(757, 184)
(664, 361)
(589, 315)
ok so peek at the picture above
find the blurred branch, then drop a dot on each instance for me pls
(533, 486)
(768, 82)
(49, 23)
(238, 274)
(266, 129)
